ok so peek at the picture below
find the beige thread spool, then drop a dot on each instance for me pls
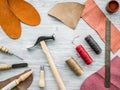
(75, 67)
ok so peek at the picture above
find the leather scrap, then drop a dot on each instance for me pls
(22, 86)
(14, 11)
(96, 19)
(68, 12)
(25, 12)
(8, 21)
(96, 80)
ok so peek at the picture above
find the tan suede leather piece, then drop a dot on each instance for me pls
(8, 21)
(69, 13)
(22, 86)
(25, 12)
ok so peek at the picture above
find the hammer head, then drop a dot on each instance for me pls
(41, 38)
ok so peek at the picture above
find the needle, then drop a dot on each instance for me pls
(16, 56)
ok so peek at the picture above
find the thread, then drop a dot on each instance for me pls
(84, 55)
(93, 44)
(75, 67)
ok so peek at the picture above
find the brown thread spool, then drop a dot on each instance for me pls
(75, 67)
(112, 6)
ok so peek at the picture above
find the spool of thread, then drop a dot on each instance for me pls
(75, 67)
(112, 6)
(93, 44)
(84, 55)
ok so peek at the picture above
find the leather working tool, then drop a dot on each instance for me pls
(55, 72)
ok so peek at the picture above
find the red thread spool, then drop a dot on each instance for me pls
(85, 56)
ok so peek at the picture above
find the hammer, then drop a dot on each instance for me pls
(55, 72)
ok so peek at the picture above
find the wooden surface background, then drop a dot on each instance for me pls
(61, 49)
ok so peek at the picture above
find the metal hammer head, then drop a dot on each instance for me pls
(41, 38)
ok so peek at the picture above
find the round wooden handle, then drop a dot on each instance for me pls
(5, 67)
(4, 49)
(42, 80)
(24, 76)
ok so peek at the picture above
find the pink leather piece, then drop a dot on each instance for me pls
(96, 19)
(96, 81)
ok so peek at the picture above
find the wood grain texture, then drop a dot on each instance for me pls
(61, 49)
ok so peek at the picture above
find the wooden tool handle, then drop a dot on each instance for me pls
(10, 86)
(23, 77)
(4, 49)
(5, 67)
(42, 80)
(52, 66)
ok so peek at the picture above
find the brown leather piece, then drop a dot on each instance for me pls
(22, 86)
(8, 21)
(24, 11)
(69, 13)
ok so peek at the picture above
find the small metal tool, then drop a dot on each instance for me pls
(6, 51)
(42, 77)
(41, 38)
(107, 54)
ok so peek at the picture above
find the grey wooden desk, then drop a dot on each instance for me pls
(61, 49)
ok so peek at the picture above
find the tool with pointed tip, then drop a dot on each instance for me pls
(19, 65)
(42, 77)
(6, 51)
(50, 59)
(14, 83)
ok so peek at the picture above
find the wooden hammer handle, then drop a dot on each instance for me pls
(52, 66)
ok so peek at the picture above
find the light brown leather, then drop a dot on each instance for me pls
(69, 13)
(24, 11)
(8, 21)
(22, 86)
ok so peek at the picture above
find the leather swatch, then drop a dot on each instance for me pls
(8, 21)
(68, 12)
(24, 11)
(96, 19)
(12, 12)
(96, 80)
